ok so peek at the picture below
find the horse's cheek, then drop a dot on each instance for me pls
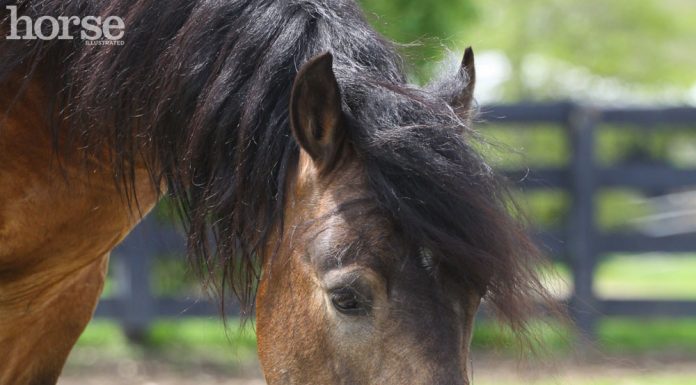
(291, 328)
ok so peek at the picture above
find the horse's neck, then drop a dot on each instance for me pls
(47, 200)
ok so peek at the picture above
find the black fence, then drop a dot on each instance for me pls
(579, 241)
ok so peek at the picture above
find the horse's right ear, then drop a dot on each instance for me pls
(316, 116)
(464, 100)
(458, 90)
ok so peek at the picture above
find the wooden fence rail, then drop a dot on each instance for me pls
(580, 242)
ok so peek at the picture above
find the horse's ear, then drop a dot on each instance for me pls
(458, 91)
(462, 102)
(468, 69)
(316, 116)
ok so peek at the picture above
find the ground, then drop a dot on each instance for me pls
(488, 370)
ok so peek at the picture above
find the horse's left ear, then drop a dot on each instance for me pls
(316, 116)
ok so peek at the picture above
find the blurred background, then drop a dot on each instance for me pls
(588, 106)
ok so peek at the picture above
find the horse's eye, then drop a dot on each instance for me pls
(347, 301)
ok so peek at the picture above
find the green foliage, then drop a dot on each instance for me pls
(422, 28)
(647, 42)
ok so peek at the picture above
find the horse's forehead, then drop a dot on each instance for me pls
(366, 240)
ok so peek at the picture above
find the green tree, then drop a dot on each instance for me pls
(423, 28)
(650, 44)
(647, 45)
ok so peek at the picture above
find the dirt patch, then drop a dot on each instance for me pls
(159, 371)
(162, 379)
(610, 370)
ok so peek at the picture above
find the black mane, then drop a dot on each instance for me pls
(201, 89)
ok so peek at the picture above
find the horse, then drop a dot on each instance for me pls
(345, 207)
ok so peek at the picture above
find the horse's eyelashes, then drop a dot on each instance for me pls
(348, 301)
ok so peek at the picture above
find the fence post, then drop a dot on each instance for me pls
(581, 227)
(135, 257)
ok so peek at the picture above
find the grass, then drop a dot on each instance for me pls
(207, 337)
(205, 340)
(615, 335)
(646, 276)
(188, 341)
(648, 336)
